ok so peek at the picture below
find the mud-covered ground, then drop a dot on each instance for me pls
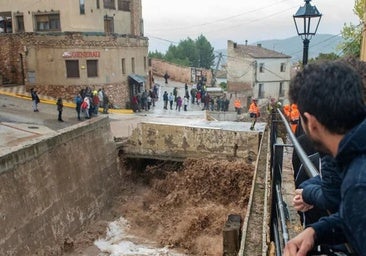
(180, 205)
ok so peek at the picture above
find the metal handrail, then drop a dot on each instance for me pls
(280, 232)
(310, 169)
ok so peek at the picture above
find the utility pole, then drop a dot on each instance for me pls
(214, 73)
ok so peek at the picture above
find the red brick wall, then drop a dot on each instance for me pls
(10, 65)
(176, 72)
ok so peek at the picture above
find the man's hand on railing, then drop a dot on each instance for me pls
(299, 203)
(301, 244)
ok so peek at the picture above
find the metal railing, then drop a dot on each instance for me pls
(279, 232)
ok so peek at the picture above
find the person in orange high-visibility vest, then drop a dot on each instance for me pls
(254, 112)
(237, 105)
(287, 111)
(294, 117)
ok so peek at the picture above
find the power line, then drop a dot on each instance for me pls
(223, 19)
(231, 26)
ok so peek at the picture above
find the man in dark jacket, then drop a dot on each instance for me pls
(35, 99)
(329, 98)
(322, 191)
(165, 99)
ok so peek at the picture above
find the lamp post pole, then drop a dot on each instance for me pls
(305, 53)
(307, 19)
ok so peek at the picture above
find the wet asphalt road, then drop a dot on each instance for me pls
(16, 110)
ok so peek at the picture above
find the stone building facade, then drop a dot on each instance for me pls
(253, 71)
(60, 47)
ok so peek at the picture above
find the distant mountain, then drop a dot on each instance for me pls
(293, 46)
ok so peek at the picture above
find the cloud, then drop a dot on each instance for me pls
(220, 21)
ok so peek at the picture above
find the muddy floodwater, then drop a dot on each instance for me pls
(177, 208)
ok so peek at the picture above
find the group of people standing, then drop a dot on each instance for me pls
(89, 101)
(174, 97)
(146, 99)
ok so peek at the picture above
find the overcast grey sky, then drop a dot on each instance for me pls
(169, 21)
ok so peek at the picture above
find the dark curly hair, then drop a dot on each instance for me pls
(332, 92)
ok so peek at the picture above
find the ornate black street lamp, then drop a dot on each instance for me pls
(307, 20)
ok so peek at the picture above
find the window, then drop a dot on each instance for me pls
(92, 68)
(6, 25)
(72, 68)
(109, 4)
(133, 65)
(48, 22)
(19, 19)
(282, 90)
(108, 24)
(145, 64)
(260, 91)
(123, 66)
(283, 67)
(261, 67)
(98, 4)
(82, 6)
(124, 5)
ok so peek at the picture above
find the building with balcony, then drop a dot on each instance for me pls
(60, 47)
(253, 71)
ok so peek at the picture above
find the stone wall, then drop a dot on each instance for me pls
(11, 55)
(177, 142)
(52, 187)
(176, 72)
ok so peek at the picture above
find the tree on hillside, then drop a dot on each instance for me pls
(187, 49)
(156, 55)
(352, 34)
(191, 53)
(325, 56)
(205, 51)
(173, 56)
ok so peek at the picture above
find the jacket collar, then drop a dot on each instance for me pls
(353, 143)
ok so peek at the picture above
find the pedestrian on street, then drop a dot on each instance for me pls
(35, 100)
(185, 103)
(165, 99)
(105, 103)
(60, 107)
(85, 105)
(254, 112)
(78, 101)
(171, 100)
(100, 96)
(179, 103)
(166, 77)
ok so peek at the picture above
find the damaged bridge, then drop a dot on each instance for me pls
(208, 139)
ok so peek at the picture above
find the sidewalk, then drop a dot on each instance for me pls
(20, 92)
(123, 121)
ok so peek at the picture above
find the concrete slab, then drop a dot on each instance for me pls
(16, 134)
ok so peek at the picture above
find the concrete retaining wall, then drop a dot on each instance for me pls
(177, 142)
(49, 189)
